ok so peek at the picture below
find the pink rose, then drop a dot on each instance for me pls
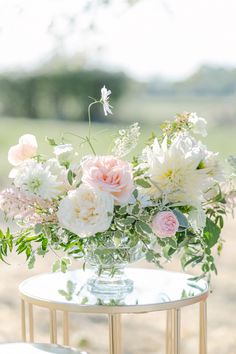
(111, 175)
(26, 149)
(165, 224)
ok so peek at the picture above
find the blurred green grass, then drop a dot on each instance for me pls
(220, 139)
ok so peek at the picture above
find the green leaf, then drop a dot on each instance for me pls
(172, 242)
(70, 177)
(143, 228)
(84, 300)
(150, 256)
(51, 141)
(129, 220)
(143, 183)
(183, 222)
(122, 210)
(65, 262)
(62, 292)
(31, 262)
(71, 286)
(38, 229)
(56, 265)
(135, 209)
(211, 233)
(44, 244)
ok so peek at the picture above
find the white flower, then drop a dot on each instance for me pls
(64, 153)
(86, 211)
(173, 170)
(54, 167)
(142, 199)
(35, 178)
(105, 100)
(198, 124)
(126, 141)
(197, 219)
(214, 167)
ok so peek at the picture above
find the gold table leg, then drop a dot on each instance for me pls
(115, 346)
(31, 323)
(23, 321)
(173, 332)
(53, 327)
(203, 328)
(168, 332)
(66, 338)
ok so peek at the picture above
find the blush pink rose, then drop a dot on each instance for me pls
(26, 149)
(111, 175)
(165, 224)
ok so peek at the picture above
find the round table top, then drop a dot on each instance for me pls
(154, 290)
(34, 348)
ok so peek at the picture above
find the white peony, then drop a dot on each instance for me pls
(35, 178)
(86, 211)
(173, 170)
(198, 124)
(64, 153)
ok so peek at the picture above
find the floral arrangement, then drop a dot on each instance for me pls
(170, 199)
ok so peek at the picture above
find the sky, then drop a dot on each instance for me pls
(168, 38)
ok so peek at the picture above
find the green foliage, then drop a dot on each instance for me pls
(69, 292)
(61, 264)
(211, 233)
(142, 182)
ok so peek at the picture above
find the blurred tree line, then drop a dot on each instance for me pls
(64, 94)
(207, 81)
(61, 95)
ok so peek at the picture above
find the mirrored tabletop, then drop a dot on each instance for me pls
(34, 348)
(154, 290)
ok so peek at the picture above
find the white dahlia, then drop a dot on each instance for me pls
(86, 211)
(174, 170)
(35, 178)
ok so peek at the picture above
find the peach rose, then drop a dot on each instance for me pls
(26, 149)
(111, 175)
(165, 224)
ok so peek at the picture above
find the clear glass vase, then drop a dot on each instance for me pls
(108, 263)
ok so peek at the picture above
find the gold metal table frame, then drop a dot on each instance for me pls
(154, 290)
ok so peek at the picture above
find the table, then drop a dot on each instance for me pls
(35, 348)
(154, 290)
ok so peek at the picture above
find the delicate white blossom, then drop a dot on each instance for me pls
(126, 141)
(86, 211)
(198, 124)
(143, 199)
(105, 100)
(64, 153)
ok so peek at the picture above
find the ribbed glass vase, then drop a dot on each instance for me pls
(108, 263)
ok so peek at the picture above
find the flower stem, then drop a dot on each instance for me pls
(88, 138)
(90, 144)
(89, 117)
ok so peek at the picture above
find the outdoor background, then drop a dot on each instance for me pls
(159, 58)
